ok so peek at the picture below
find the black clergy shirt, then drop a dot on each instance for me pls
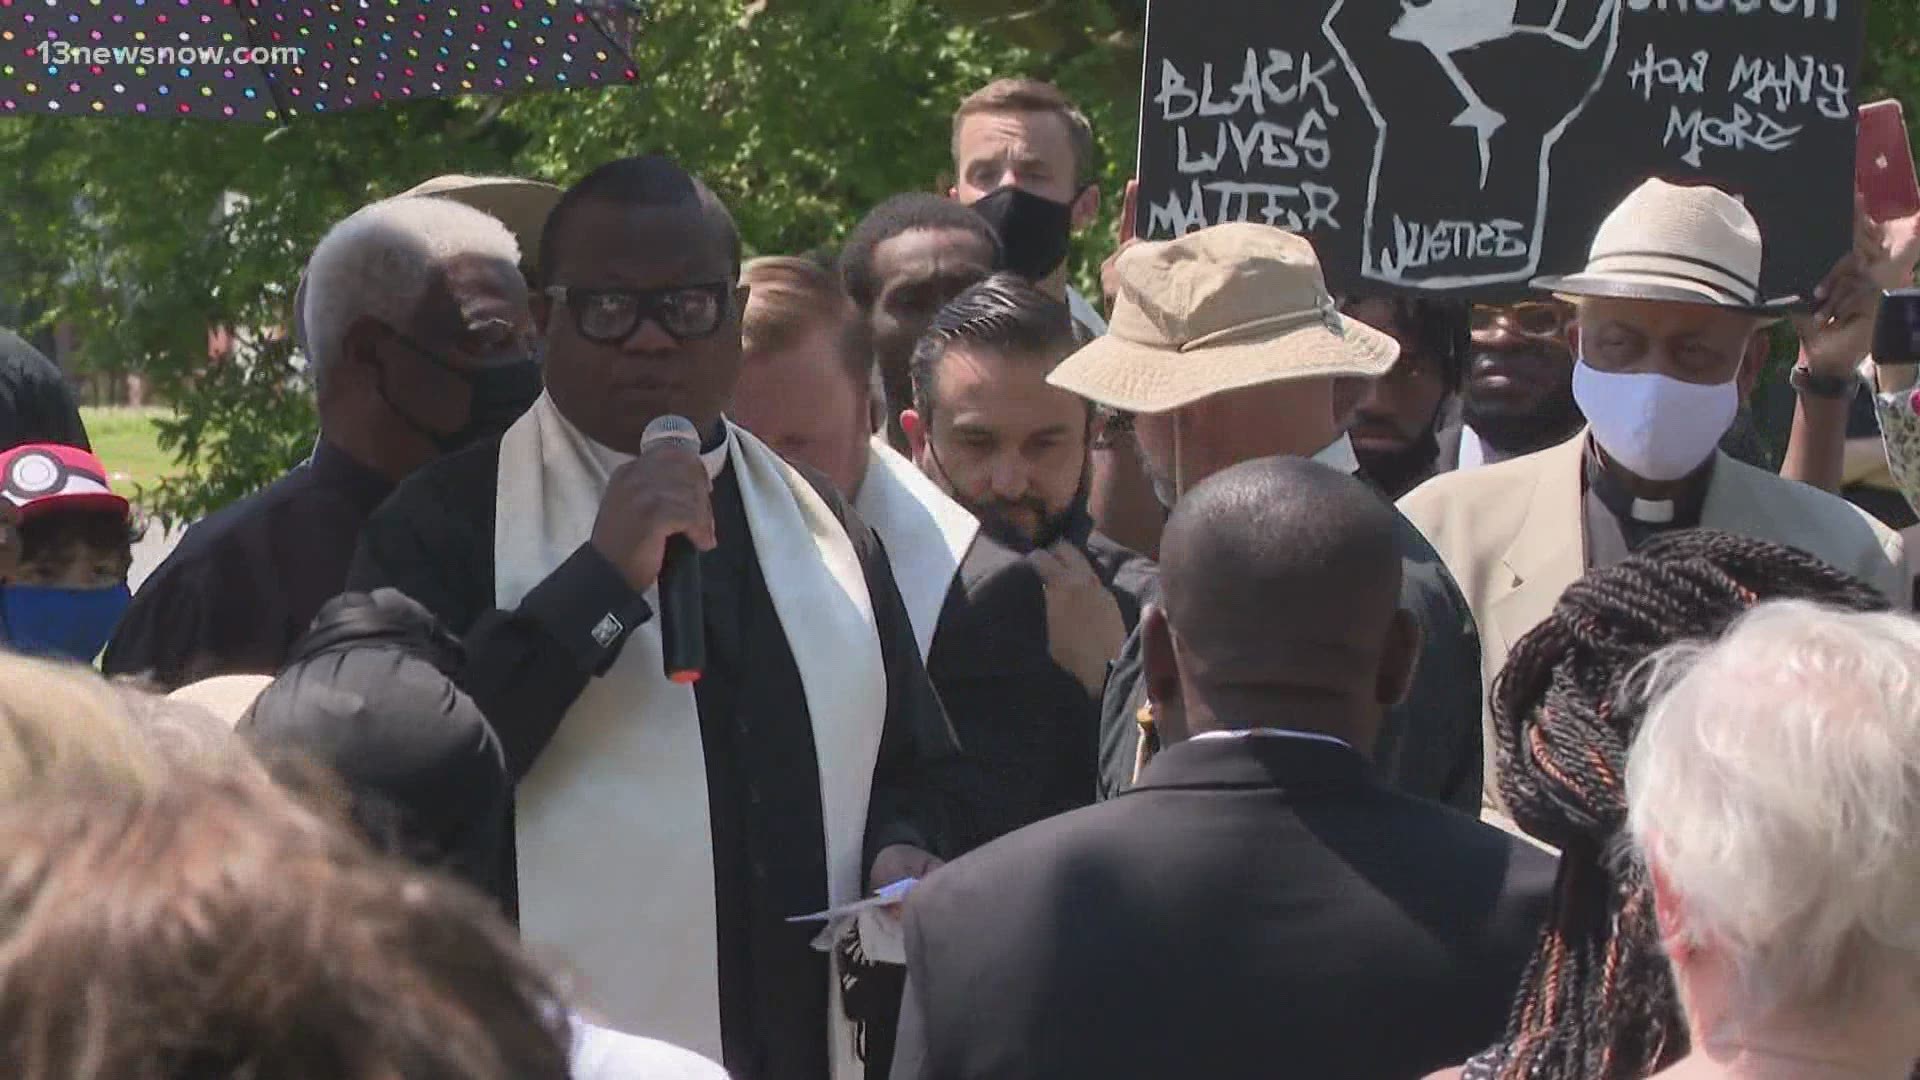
(1616, 524)
(434, 540)
(246, 581)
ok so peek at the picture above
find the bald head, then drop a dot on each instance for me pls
(1280, 581)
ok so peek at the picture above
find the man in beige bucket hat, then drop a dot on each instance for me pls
(1224, 346)
(1667, 340)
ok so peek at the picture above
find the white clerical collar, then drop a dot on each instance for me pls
(716, 459)
(1652, 511)
(1270, 733)
(1339, 455)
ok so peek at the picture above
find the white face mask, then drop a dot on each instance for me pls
(1655, 426)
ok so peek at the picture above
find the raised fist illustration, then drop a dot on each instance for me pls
(1470, 97)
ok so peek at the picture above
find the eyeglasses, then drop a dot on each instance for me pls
(1534, 319)
(610, 316)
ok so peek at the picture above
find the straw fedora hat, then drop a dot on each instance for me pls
(1221, 309)
(1687, 245)
(521, 205)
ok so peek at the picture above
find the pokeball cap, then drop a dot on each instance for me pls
(39, 478)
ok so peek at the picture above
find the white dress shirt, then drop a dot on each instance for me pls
(1474, 451)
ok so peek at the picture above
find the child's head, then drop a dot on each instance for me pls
(75, 545)
(79, 549)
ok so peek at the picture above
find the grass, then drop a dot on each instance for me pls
(128, 444)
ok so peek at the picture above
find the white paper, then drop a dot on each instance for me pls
(886, 897)
(882, 931)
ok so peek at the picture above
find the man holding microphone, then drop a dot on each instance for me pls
(673, 809)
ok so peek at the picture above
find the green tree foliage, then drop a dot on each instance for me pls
(802, 114)
(116, 228)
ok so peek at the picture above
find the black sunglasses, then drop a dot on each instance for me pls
(610, 316)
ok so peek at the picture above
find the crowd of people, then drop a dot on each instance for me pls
(874, 662)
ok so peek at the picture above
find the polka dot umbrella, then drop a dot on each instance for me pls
(270, 60)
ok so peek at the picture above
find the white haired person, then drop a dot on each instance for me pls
(1774, 793)
(419, 335)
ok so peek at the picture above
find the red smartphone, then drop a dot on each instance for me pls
(1883, 166)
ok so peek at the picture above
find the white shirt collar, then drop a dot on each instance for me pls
(1270, 733)
(716, 459)
(1339, 455)
(1084, 314)
(1474, 451)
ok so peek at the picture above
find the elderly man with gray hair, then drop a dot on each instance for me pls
(1774, 791)
(416, 325)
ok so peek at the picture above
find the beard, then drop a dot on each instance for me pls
(998, 524)
(1396, 472)
(1550, 422)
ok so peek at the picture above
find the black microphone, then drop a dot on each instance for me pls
(682, 626)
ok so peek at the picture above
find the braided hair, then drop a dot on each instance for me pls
(1597, 1001)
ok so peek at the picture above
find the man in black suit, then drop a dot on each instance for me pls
(1045, 601)
(1016, 601)
(1260, 904)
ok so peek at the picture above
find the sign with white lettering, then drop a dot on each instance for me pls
(1466, 146)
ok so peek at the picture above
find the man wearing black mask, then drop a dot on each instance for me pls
(1023, 159)
(419, 336)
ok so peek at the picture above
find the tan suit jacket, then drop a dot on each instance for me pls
(1512, 536)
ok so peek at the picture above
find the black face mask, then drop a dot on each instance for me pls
(502, 388)
(1033, 230)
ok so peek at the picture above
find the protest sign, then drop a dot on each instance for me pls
(1466, 146)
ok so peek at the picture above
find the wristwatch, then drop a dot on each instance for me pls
(1834, 387)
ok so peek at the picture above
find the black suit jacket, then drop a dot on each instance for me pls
(1029, 727)
(1257, 907)
(1430, 744)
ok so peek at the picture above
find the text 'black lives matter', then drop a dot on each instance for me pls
(1466, 146)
